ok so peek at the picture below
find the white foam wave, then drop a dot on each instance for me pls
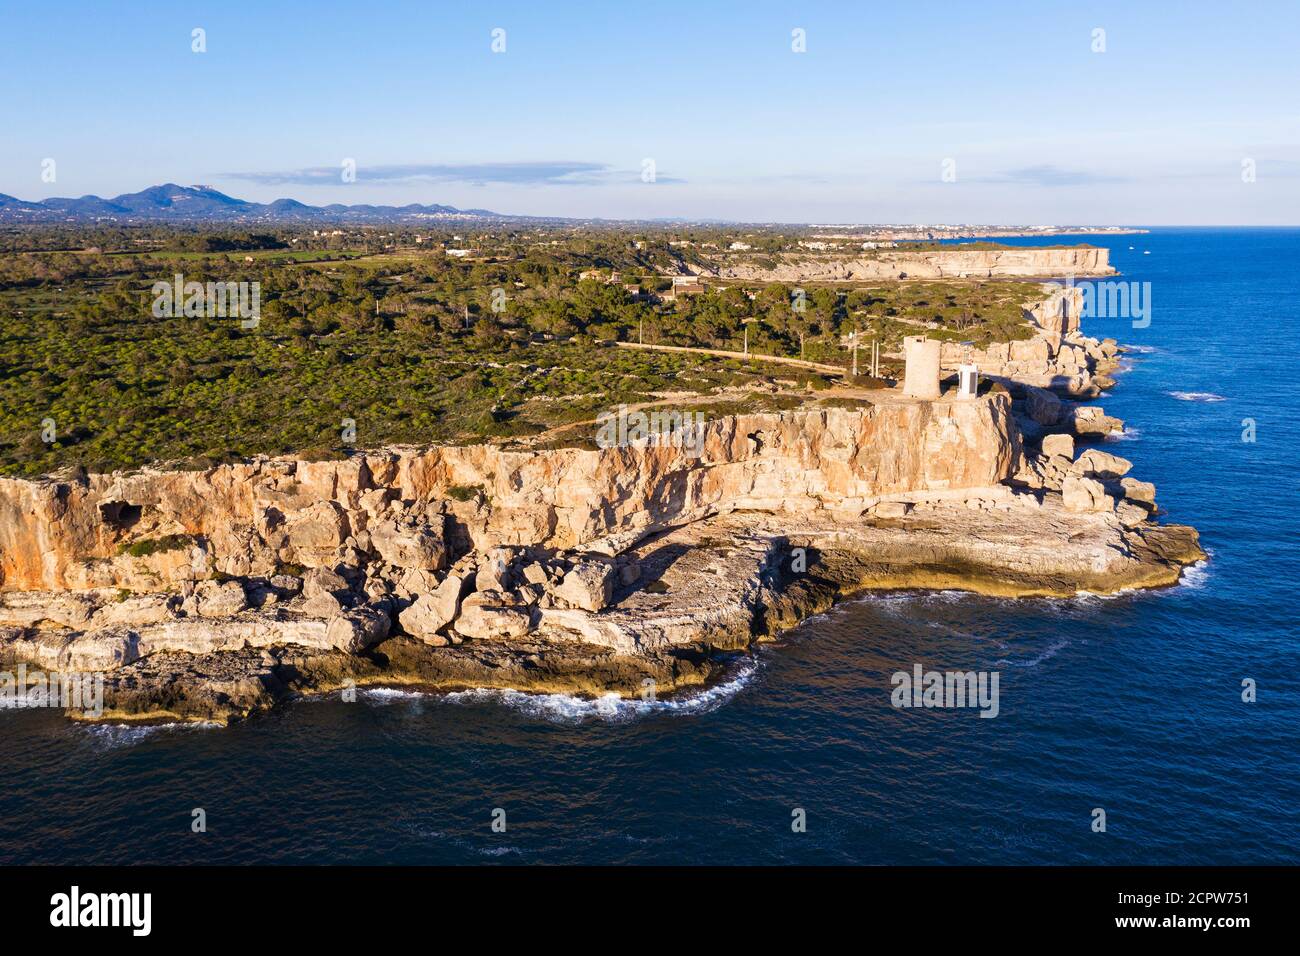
(571, 709)
(1128, 434)
(896, 602)
(1141, 349)
(113, 736)
(1197, 396)
(390, 695)
(1047, 654)
(1195, 577)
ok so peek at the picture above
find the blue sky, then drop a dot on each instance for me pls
(1040, 128)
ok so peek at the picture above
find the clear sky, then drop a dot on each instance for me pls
(1038, 126)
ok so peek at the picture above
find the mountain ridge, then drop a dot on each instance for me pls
(169, 202)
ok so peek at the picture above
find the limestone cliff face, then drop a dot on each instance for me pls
(152, 529)
(940, 264)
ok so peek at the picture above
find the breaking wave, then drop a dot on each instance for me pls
(113, 736)
(1195, 576)
(572, 710)
(392, 695)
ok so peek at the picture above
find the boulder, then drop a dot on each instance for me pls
(1033, 351)
(1101, 464)
(1092, 420)
(448, 593)
(487, 614)
(416, 580)
(1131, 515)
(493, 571)
(217, 599)
(1042, 406)
(356, 629)
(589, 585)
(534, 573)
(891, 509)
(324, 605)
(319, 581)
(1139, 492)
(316, 532)
(418, 546)
(1085, 494)
(1058, 445)
(286, 583)
(425, 617)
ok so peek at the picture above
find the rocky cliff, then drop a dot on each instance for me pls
(212, 595)
(417, 508)
(953, 263)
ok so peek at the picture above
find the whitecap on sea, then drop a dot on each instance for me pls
(1049, 652)
(1197, 396)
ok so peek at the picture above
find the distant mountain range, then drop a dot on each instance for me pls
(172, 203)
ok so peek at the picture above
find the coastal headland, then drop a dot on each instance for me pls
(214, 594)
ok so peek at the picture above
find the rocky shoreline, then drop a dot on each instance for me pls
(218, 595)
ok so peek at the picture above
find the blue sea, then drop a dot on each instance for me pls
(1131, 704)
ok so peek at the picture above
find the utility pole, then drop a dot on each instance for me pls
(640, 331)
(467, 315)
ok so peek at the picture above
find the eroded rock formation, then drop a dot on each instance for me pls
(928, 264)
(407, 507)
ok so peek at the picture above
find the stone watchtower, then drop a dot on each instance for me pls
(921, 377)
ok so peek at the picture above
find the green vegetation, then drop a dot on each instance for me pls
(148, 546)
(382, 334)
(463, 492)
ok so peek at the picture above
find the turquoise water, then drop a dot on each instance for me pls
(1131, 704)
